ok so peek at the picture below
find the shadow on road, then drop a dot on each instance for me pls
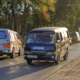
(22, 69)
(5, 57)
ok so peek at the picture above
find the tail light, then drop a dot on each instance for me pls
(6, 45)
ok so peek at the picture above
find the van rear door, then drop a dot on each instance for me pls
(4, 39)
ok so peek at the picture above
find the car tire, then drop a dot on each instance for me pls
(29, 61)
(12, 55)
(58, 60)
(66, 55)
(19, 53)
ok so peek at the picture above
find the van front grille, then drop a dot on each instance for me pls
(38, 52)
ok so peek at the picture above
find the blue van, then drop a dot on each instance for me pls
(47, 43)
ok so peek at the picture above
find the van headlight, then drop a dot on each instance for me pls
(49, 53)
(27, 52)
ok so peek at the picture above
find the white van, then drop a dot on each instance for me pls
(9, 43)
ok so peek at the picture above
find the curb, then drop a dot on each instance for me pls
(66, 69)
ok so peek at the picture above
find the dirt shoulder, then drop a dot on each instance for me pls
(68, 72)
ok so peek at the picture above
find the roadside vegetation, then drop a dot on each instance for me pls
(24, 15)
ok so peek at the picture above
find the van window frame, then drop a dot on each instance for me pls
(57, 36)
(18, 36)
(61, 38)
(67, 34)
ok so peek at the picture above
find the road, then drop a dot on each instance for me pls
(18, 69)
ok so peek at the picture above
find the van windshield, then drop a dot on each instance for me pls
(2, 35)
(40, 38)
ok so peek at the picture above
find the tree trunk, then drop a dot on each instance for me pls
(51, 22)
(25, 19)
(12, 14)
(17, 19)
(19, 24)
(37, 21)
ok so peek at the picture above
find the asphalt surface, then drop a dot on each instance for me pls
(18, 69)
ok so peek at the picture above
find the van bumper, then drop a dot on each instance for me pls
(39, 57)
(4, 52)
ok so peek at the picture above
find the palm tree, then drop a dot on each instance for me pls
(40, 5)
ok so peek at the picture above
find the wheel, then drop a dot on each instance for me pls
(19, 53)
(29, 61)
(58, 60)
(66, 55)
(70, 42)
(12, 55)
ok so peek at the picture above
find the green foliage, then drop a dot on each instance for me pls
(61, 13)
(67, 14)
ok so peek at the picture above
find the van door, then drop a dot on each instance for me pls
(4, 39)
(58, 44)
(16, 43)
(62, 44)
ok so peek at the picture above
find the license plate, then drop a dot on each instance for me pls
(31, 56)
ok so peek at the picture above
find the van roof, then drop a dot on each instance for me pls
(8, 30)
(50, 29)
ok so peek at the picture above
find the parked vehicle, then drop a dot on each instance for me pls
(47, 43)
(10, 43)
(70, 40)
(75, 36)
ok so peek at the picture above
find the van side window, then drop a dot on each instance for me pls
(61, 36)
(57, 36)
(9, 35)
(15, 36)
(12, 36)
(67, 34)
(18, 37)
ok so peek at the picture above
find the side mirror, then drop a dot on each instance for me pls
(58, 41)
(54, 39)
